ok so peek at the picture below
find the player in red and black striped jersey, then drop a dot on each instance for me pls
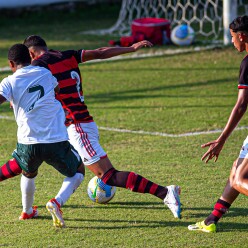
(238, 180)
(82, 130)
(64, 66)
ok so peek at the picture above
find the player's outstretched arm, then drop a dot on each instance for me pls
(237, 113)
(214, 150)
(143, 43)
(108, 52)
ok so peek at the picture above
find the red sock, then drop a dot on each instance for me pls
(134, 182)
(10, 169)
(220, 208)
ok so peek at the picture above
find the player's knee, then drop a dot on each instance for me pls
(29, 174)
(235, 163)
(237, 182)
(81, 169)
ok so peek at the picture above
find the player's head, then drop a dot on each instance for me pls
(18, 55)
(239, 24)
(34, 40)
(35, 45)
(239, 32)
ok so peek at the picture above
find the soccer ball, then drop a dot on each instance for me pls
(100, 192)
(182, 35)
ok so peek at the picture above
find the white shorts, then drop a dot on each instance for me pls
(84, 137)
(244, 150)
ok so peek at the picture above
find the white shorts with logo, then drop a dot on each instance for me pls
(244, 150)
(84, 137)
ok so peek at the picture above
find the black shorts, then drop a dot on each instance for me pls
(61, 155)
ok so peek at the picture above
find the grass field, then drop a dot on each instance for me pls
(173, 94)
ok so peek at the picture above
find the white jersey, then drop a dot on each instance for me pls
(39, 116)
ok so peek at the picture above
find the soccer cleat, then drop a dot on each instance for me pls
(172, 200)
(201, 226)
(25, 216)
(54, 208)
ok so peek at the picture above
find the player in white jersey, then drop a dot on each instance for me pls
(31, 93)
(42, 135)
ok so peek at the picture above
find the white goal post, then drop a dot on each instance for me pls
(209, 18)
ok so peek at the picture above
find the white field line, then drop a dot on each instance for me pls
(167, 134)
(146, 55)
(150, 133)
(4, 69)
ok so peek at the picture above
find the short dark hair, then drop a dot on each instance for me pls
(19, 54)
(239, 24)
(34, 40)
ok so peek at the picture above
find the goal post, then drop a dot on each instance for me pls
(209, 18)
(229, 13)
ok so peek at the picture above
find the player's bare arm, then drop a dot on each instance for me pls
(108, 52)
(238, 111)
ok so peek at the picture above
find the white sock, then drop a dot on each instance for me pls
(27, 189)
(69, 185)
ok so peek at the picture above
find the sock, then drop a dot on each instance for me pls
(220, 208)
(10, 169)
(27, 189)
(69, 185)
(134, 182)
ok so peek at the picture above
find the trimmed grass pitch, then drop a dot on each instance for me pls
(173, 94)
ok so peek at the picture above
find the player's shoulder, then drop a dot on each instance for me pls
(6, 80)
(39, 70)
(244, 62)
(71, 52)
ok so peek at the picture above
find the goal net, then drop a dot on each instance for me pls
(205, 16)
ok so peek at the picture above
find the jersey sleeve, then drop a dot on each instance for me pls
(243, 74)
(6, 90)
(79, 55)
(55, 82)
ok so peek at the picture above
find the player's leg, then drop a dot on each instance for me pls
(67, 161)
(85, 139)
(24, 155)
(9, 170)
(222, 205)
(240, 178)
(28, 189)
(69, 186)
(137, 183)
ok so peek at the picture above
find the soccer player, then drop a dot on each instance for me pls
(237, 181)
(42, 135)
(82, 130)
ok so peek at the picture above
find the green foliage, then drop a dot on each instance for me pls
(171, 94)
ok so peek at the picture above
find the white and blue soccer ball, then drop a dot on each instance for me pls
(100, 192)
(182, 35)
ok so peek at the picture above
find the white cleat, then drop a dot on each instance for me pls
(172, 200)
(54, 208)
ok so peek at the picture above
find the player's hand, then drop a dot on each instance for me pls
(143, 43)
(214, 150)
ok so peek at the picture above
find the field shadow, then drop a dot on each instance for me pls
(101, 223)
(127, 224)
(121, 205)
(137, 93)
(201, 212)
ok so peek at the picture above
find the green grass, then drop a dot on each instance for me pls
(171, 94)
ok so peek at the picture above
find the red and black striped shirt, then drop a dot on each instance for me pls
(64, 66)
